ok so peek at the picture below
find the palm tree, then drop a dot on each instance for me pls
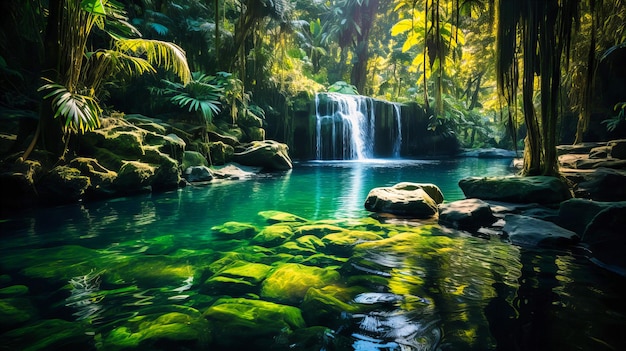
(73, 76)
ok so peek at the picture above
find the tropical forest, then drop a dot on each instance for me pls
(369, 175)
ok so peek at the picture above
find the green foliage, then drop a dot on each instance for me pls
(613, 122)
(200, 95)
(81, 112)
(343, 88)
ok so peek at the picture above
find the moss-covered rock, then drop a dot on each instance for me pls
(324, 306)
(341, 243)
(268, 154)
(50, 334)
(146, 331)
(237, 322)
(234, 230)
(237, 278)
(194, 158)
(63, 184)
(290, 282)
(101, 179)
(317, 229)
(134, 175)
(14, 291)
(15, 311)
(221, 153)
(273, 235)
(281, 217)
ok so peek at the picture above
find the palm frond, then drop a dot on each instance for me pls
(167, 55)
(81, 112)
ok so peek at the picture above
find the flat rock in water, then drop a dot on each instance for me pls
(528, 231)
(606, 238)
(468, 214)
(535, 189)
(406, 199)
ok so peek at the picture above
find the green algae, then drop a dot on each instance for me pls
(317, 229)
(15, 311)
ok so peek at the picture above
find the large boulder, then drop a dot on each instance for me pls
(63, 184)
(606, 238)
(576, 214)
(268, 154)
(468, 214)
(536, 189)
(407, 199)
(101, 179)
(528, 231)
(605, 184)
(618, 149)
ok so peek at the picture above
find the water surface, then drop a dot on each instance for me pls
(148, 272)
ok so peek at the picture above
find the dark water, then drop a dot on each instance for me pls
(147, 272)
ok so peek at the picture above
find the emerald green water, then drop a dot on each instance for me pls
(208, 268)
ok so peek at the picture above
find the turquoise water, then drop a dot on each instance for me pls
(162, 272)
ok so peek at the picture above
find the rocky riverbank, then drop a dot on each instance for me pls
(586, 208)
(134, 154)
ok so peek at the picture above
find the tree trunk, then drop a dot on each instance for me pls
(51, 129)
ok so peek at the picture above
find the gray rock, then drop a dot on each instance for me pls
(576, 214)
(468, 214)
(606, 238)
(528, 231)
(618, 149)
(407, 199)
(198, 174)
(489, 153)
(536, 189)
(605, 184)
(268, 154)
(599, 152)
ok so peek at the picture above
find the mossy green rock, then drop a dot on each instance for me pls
(318, 230)
(194, 158)
(258, 320)
(325, 307)
(281, 217)
(14, 291)
(158, 269)
(290, 281)
(342, 243)
(51, 334)
(59, 263)
(273, 235)
(238, 277)
(234, 230)
(145, 331)
(14, 311)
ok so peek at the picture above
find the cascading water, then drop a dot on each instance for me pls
(346, 127)
(398, 144)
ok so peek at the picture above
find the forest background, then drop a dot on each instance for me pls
(513, 74)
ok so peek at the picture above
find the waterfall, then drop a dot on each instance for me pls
(398, 140)
(347, 127)
(344, 120)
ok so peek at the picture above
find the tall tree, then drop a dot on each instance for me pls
(545, 29)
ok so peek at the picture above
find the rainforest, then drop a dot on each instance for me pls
(312, 175)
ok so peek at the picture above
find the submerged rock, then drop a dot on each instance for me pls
(49, 334)
(535, 189)
(146, 331)
(407, 199)
(260, 321)
(280, 217)
(290, 281)
(234, 230)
